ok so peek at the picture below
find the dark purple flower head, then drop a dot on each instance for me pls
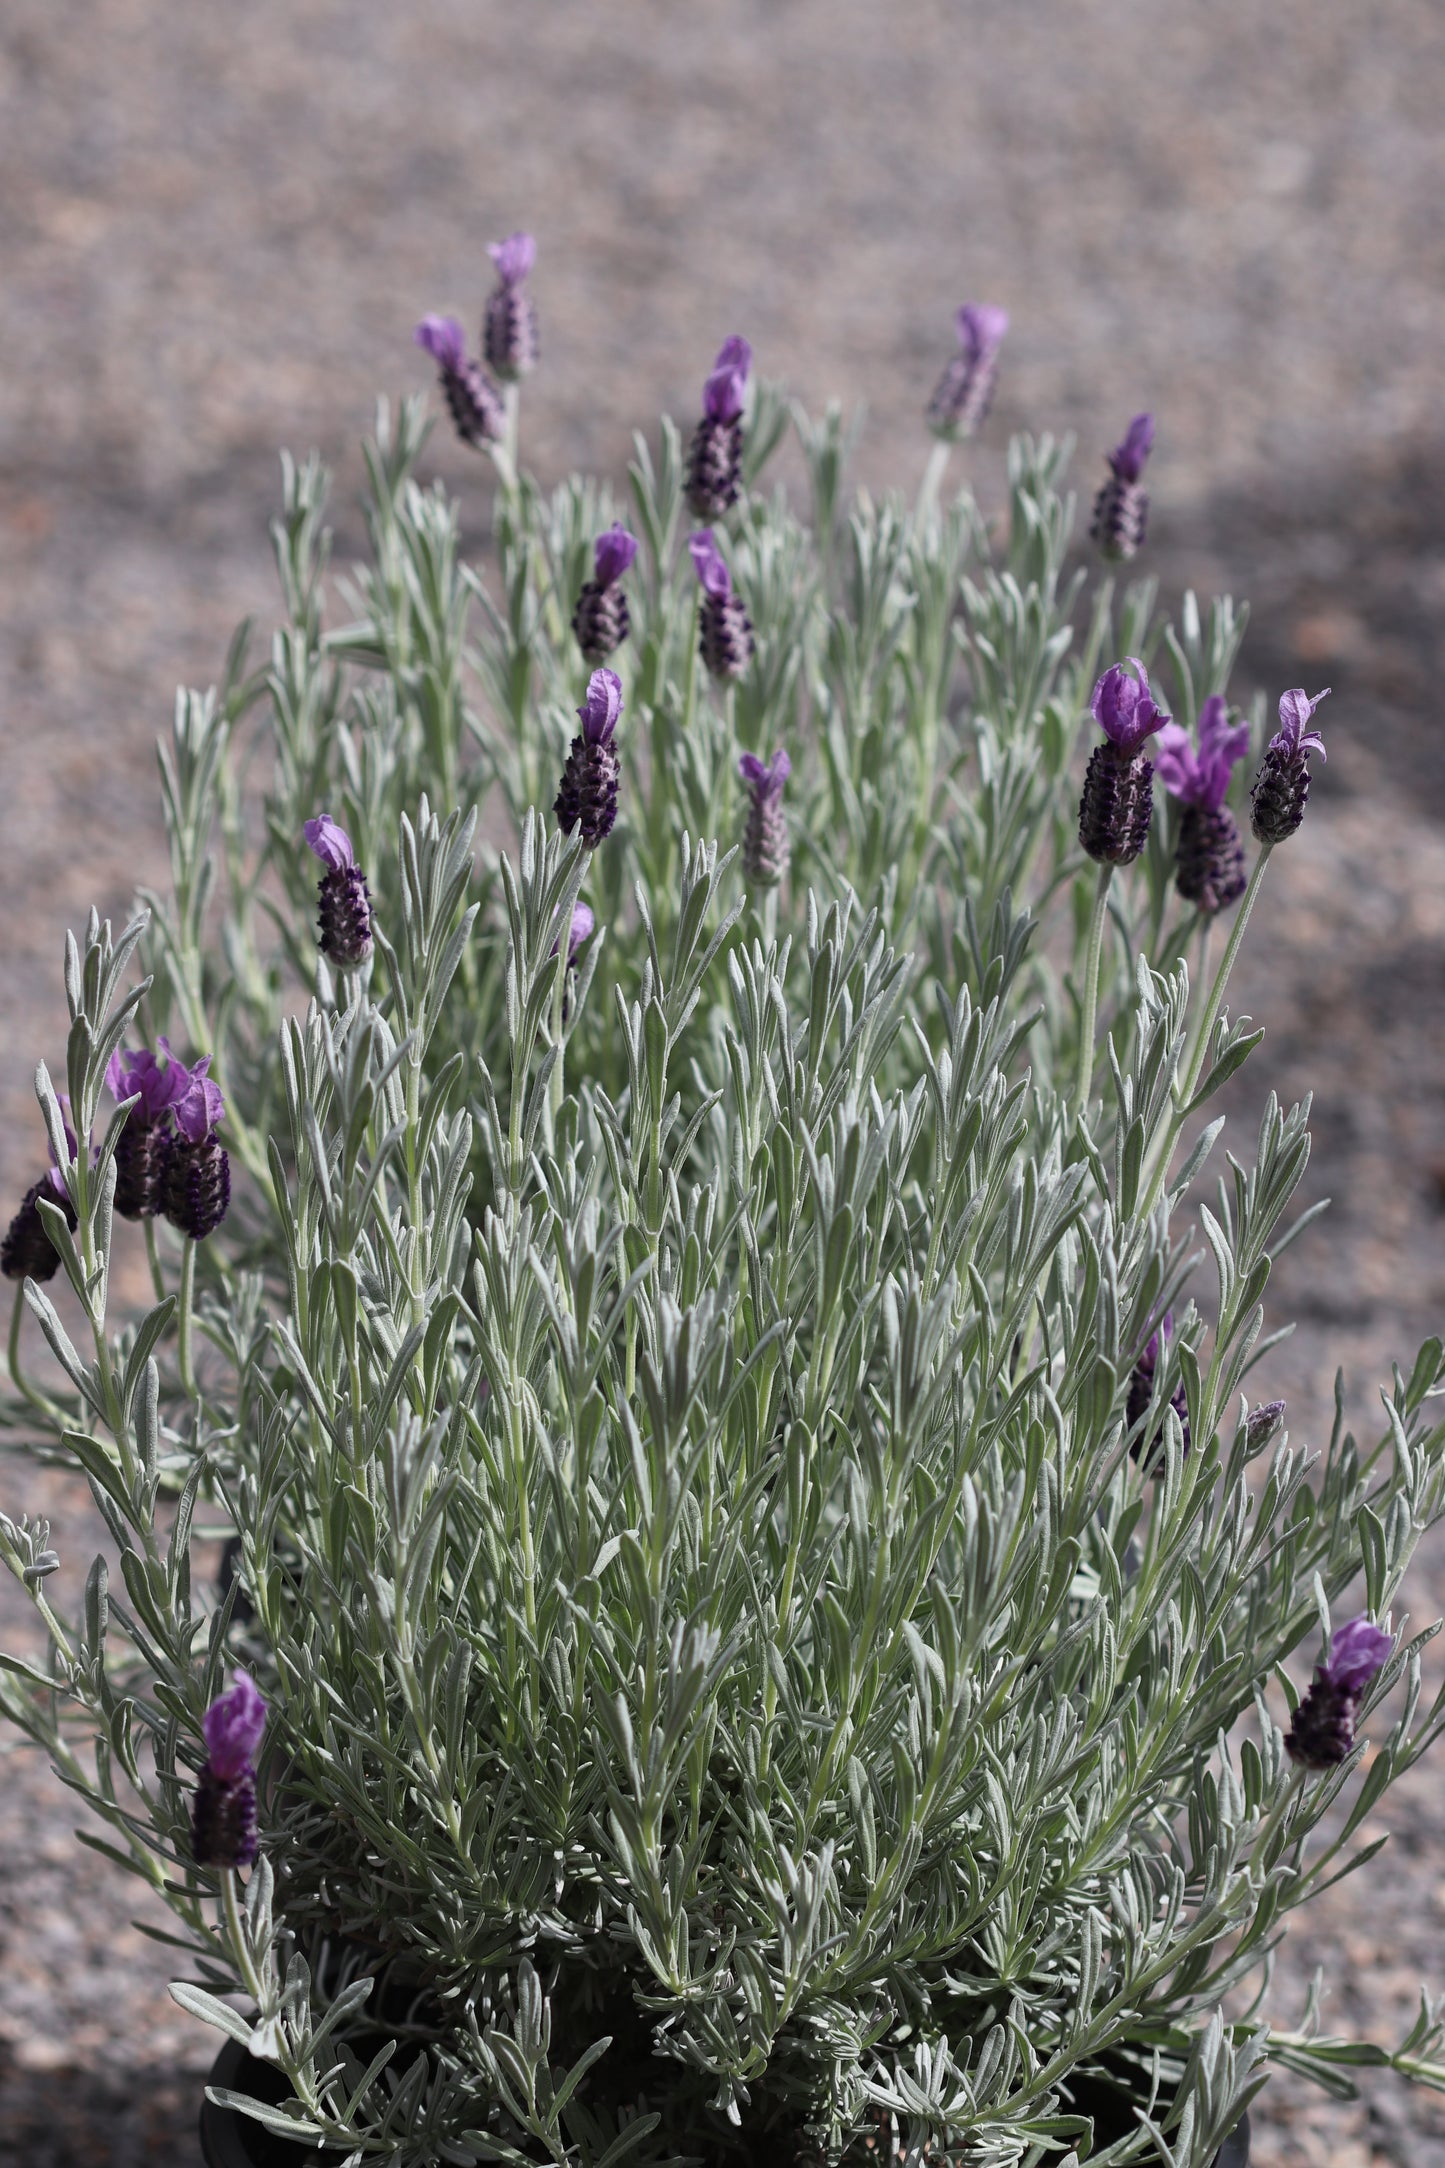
(329, 840)
(707, 561)
(513, 257)
(1123, 707)
(613, 553)
(1201, 778)
(726, 388)
(1357, 1652)
(981, 329)
(765, 778)
(159, 1079)
(1294, 737)
(1262, 1422)
(1127, 459)
(233, 1726)
(603, 705)
(200, 1106)
(443, 338)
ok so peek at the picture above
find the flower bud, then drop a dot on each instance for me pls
(223, 1810)
(725, 631)
(587, 796)
(509, 327)
(472, 400)
(1282, 787)
(765, 839)
(601, 621)
(964, 393)
(27, 1252)
(1261, 1424)
(1118, 800)
(343, 897)
(713, 477)
(1121, 509)
(1322, 1730)
(1209, 866)
(1149, 1453)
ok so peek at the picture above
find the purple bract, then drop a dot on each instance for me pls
(1127, 459)
(603, 705)
(513, 257)
(159, 1078)
(443, 338)
(1201, 778)
(708, 563)
(613, 553)
(1294, 736)
(981, 328)
(233, 1726)
(1358, 1651)
(329, 840)
(726, 388)
(765, 778)
(1123, 707)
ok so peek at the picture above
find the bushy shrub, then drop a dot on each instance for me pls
(775, 1616)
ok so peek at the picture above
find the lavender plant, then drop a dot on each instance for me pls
(760, 1624)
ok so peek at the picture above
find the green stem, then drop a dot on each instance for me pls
(184, 1310)
(1185, 1089)
(1089, 1005)
(237, 1937)
(154, 1260)
(933, 475)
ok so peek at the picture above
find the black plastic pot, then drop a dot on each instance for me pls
(229, 2140)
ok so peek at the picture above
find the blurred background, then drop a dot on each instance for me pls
(220, 226)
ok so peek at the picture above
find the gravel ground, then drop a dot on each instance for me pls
(219, 232)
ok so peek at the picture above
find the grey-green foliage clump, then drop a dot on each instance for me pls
(741, 1686)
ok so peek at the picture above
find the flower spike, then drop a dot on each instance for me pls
(509, 328)
(1121, 509)
(765, 839)
(1322, 1729)
(1209, 864)
(1282, 787)
(472, 399)
(1118, 800)
(960, 403)
(713, 478)
(587, 795)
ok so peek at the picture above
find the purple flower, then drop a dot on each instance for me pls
(446, 342)
(708, 564)
(1294, 737)
(1202, 778)
(223, 1811)
(1358, 1651)
(587, 795)
(581, 929)
(981, 329)
(766, 844)
(329, 840)
(1127, 459)
(1322, 1730)
(725, 390)
(159, 1078)
(1262, 1423)
(613, 554)
(1281, 789)
(603, 705)
(513, 257)
(199, 1107)
(765, 778)
(1123, 707)
(233, 1726)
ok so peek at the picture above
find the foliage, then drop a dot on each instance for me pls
(734, 1689)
